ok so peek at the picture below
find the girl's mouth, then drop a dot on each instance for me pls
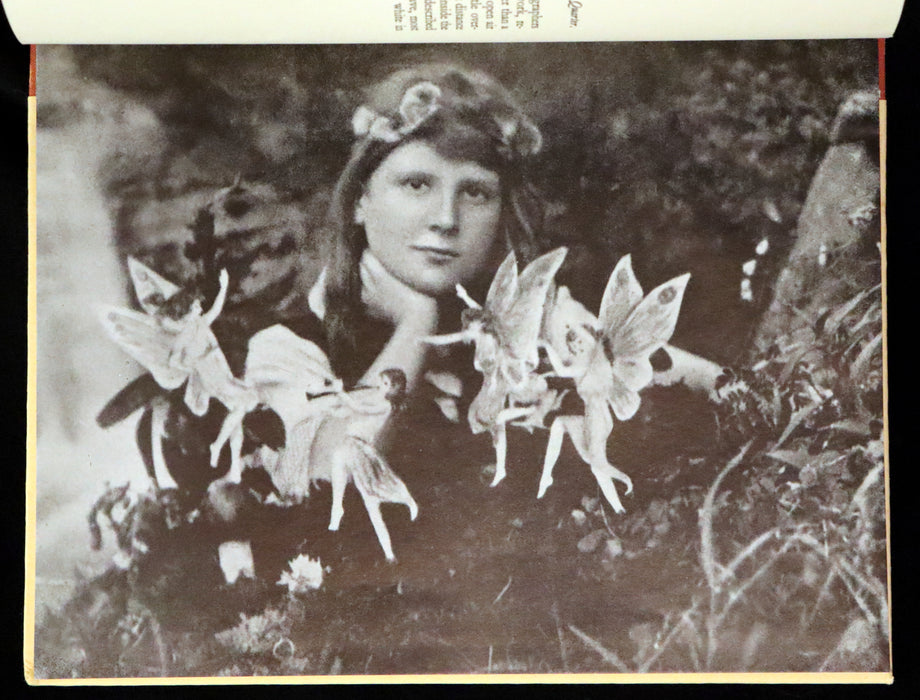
(437, 254)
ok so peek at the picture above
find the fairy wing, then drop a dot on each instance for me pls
(632, 328)
(651, 324)
(145, 339)
(602, 385)
(375, 479)
(504, 285)
(151, 289)
(519, 323)
(622, 294)
(176, 353)
(284, 368)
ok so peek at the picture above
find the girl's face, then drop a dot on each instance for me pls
(431, 221)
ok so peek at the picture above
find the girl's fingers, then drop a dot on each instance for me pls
(376, 280)
(372, 270)
(389, 298)
(380, 286)
(381, 292)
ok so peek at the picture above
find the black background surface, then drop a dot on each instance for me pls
(903, 93)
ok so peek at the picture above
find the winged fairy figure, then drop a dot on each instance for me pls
(608, 357)
(506, 333)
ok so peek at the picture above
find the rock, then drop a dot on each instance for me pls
(837, 228)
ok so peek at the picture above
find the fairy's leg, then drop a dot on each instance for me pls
(236, 455)
(598, 426)
(383, 535)
(557, 433)
(231, 424)
(157, 433)
(605, 481)
(513, 413)
(338, 477)
(602, 470)
(500, 442)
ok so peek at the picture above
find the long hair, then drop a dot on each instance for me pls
(477, 120)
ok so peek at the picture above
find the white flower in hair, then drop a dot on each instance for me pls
(529, 138)
(519, 135)
(362, 119)
(509, 129)
(419, 103)
(366, 122)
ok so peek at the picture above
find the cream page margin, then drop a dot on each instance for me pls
(349, 21)
(375, 21)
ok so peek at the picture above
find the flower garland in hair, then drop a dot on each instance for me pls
(519, 136)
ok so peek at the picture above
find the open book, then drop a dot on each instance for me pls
(505, 339)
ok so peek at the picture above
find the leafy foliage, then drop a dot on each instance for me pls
(793, 526)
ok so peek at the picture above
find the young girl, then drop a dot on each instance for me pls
(434, 194)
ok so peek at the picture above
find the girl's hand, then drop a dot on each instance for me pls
(392, 300)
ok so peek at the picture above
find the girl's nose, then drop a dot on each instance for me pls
(444, 218)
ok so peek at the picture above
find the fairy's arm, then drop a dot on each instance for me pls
(218, 304)
(448, 338)
(692, 370)
(570, 370)
(376, 406)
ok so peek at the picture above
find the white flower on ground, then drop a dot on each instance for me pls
(304, 574)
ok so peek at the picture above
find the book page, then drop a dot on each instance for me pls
(374, 21)
(299, 415)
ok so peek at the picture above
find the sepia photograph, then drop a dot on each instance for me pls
(532, 358)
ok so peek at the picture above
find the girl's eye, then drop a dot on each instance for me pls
(415, 184)
(479, 193)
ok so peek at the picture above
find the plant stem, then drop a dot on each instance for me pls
(707, 549)
(608, 656)
(751, 548)
(672, 634)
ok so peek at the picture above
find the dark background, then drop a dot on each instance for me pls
(685, 155)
